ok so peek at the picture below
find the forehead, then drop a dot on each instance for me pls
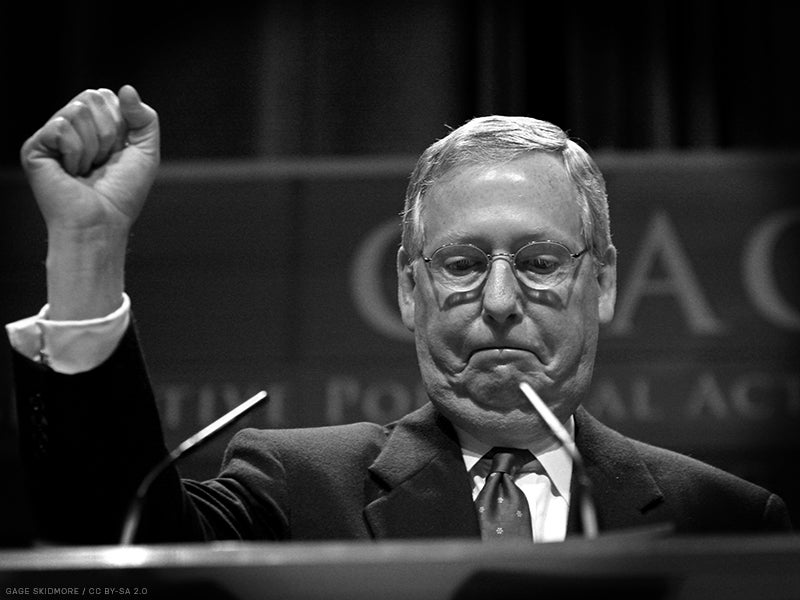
(531, 197)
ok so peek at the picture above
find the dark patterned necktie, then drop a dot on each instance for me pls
(502, 508)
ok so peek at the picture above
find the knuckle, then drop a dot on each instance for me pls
(95, 98)
(77, 109)
(109, 97)
(25, 153)
(61, 124)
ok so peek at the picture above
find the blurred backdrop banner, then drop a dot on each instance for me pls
(280, 275)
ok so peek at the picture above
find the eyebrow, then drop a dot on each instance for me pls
(484, 243)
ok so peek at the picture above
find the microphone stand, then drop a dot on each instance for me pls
(133, 515)
(587, 509)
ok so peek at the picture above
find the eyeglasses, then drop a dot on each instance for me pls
(537, 265)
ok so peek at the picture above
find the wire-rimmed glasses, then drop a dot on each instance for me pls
(538, 265)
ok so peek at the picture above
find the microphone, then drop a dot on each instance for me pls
(587, 509)
(131, 523)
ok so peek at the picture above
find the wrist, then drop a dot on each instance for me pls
(85, 273)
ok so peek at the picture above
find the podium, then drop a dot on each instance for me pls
(615, 566)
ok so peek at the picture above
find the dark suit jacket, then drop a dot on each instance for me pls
(89, 439)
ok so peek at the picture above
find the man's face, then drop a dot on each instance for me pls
(475, 347)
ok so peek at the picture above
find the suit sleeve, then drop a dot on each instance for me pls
(86, 442)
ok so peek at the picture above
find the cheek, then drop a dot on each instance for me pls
(440, 334)
(441, 338)
(570, 333)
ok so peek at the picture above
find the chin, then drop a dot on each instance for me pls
(512, 428)
(516, 425)
(497, 393)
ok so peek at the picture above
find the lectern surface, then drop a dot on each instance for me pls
(618, 567)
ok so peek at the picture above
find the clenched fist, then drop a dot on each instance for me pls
(90, 167)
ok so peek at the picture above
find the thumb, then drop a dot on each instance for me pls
(141, 119)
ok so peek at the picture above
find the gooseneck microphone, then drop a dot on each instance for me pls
(587, 509)
(133, 515)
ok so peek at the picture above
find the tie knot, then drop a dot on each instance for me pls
(508, 460)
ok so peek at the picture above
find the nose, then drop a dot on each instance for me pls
(501, 291)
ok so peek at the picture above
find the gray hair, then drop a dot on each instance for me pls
(496, 139)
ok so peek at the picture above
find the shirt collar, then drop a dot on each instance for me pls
(555, 461)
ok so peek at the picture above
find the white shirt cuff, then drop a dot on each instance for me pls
(70, 346)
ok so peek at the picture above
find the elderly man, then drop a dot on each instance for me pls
(505, 274)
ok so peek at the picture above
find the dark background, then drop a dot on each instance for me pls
(304, 77)
(329, 103)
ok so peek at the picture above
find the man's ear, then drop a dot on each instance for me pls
(405, 287)
(607, 283)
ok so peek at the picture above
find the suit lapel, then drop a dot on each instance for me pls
(624, 491)
(419, 486)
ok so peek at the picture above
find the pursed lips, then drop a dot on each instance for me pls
(500, 350)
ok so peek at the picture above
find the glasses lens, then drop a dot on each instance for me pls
(542, 265)
(459, 268)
